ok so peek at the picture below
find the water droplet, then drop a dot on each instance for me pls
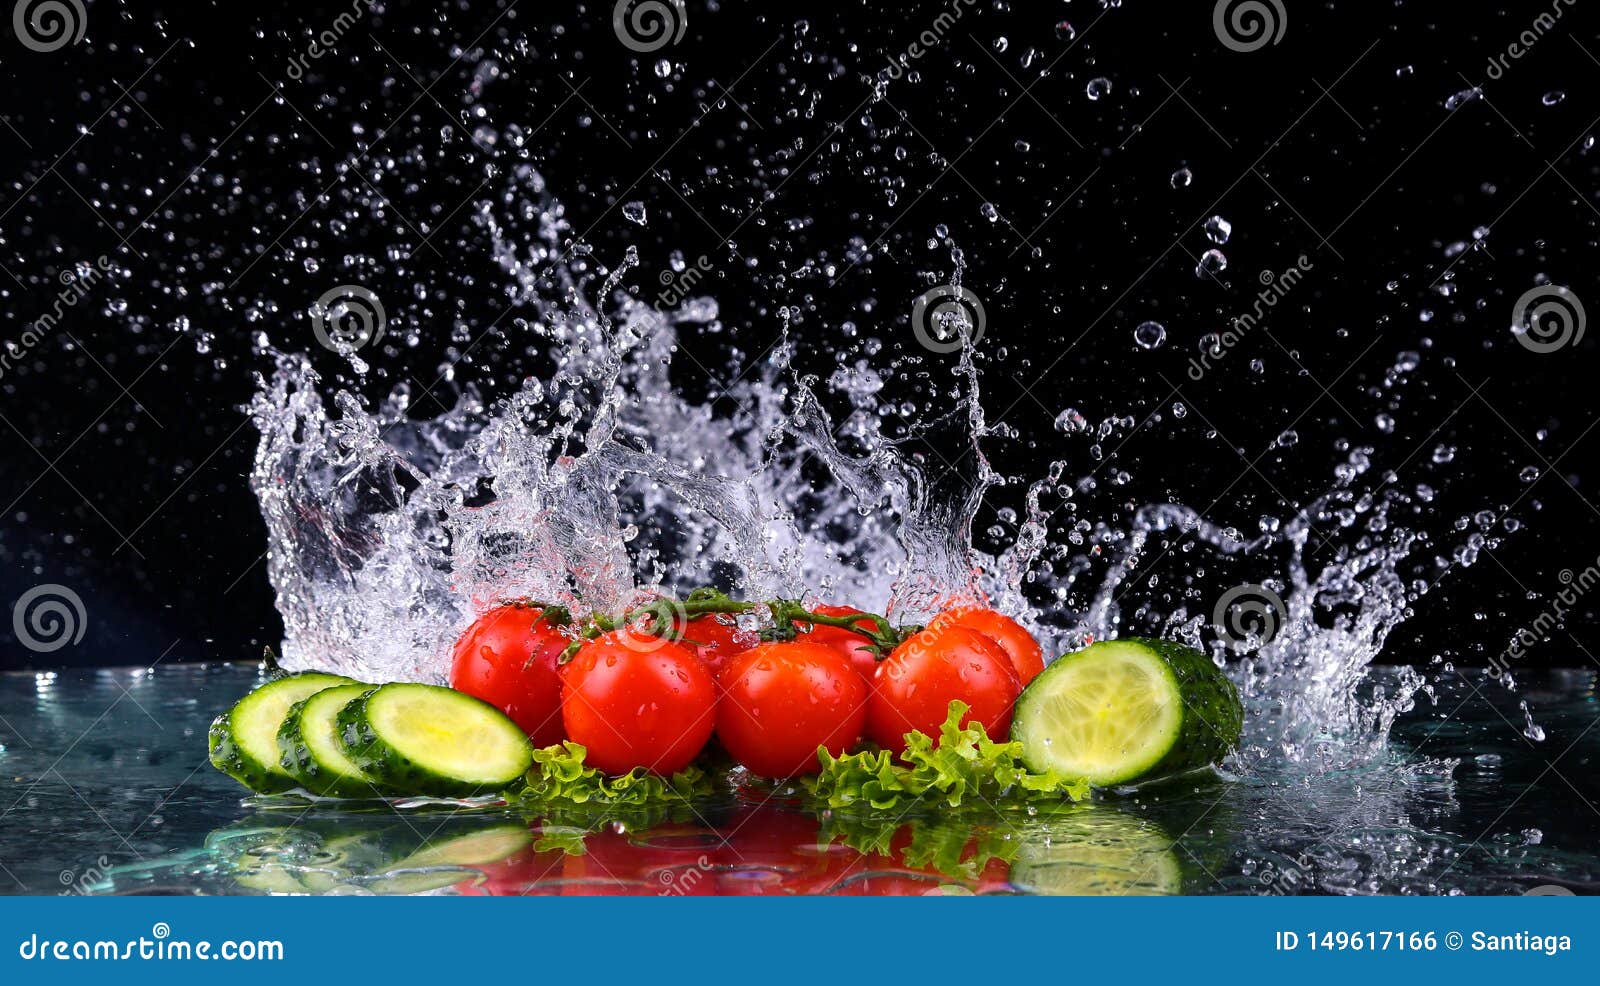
(1098, 87)
(1218, 230)
(635, 212)
(1462, 98)
(663, 68)
(1066, 32)
(1071, 420)
(1212, 262)
(1182, 178)
(988, 211)
(1149, 335)
(1553, 97)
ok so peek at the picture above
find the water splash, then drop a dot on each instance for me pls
(600, 482)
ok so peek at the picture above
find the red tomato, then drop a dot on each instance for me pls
(849, 643)
(1016, 641)
(508, 658)
(916, 683)
(780, 701)
(715, 638)
(637, 701)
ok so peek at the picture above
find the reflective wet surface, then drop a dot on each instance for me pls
(107, 791)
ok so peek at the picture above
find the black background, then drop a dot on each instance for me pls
(159, 140)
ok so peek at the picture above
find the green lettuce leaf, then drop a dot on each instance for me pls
(966, 766)
(558, 776)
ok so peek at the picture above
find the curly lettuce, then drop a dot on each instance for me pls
(558, 776)
(965, 766)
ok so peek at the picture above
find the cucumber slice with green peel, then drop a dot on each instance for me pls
(1125, 710)
(309, 749)
(244, 740)
(427, 739)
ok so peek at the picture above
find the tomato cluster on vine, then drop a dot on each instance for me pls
(773, 681)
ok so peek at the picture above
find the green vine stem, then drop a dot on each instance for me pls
(667, 617)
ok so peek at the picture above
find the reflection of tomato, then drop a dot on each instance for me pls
(915, 685)
(1017, 642)
(637, 701)
(774, 851)
(853, 645)
(715, 638)
(780, 701)
(668, 861)
(508, 658)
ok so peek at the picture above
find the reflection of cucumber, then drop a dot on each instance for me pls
(244, 740)
(309, 745)
(443, 863)
(1121, 710)
(424, 739)
(372, 854)
(489, 845)
(1097, 852)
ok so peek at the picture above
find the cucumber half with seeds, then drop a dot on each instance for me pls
(1125, 710)
(426, 739)
(244, 740)
(308, 744)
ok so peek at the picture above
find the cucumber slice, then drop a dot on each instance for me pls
(244, 740)
(426, 739)
(308, 745)
(1125, 710)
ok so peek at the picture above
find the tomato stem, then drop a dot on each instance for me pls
(878, 631)
(668, 618)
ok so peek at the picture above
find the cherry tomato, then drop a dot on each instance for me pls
(916, 683)
(780, 701)
(851, 644)
(715, 638)
(1012, 637)
(637, 701)
(508, 658)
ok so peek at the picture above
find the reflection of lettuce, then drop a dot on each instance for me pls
(934, 844)
(966, 765)
(559, 776)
